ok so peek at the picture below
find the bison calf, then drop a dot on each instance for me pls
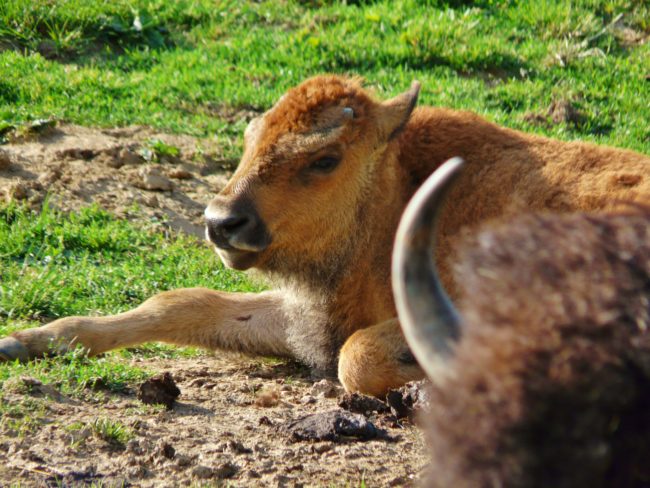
(542, 378)
(313, 207)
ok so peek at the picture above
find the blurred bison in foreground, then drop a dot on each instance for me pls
(313, 208)
(542, 376)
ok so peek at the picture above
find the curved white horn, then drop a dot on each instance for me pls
(429, 320)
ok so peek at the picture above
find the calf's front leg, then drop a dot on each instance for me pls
(253, 323)
(376, 359)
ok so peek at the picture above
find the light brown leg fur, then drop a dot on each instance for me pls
(247, 322)
(376, 359)
(372, 360)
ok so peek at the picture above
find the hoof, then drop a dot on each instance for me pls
(12, 349)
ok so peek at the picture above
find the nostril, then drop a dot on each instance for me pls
(213, 235)
(236, 229)
(231, 224)
(220, 230)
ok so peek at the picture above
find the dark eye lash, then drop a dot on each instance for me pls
(325, 164)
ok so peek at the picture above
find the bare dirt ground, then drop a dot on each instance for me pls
(227, 428)
(237, 421)
(118, 170)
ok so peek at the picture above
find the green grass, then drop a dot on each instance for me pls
(189, 63)
(24, 401)
(54, 265)
(112, 431)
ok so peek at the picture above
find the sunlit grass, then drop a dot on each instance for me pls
(189, 60)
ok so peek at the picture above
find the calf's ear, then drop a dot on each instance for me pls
(395, 113)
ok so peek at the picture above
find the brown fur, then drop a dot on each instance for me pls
(550, 383)
(332, 234)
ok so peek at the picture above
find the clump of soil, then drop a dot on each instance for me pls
(5, 160)
(159, 389)
(409, 400)
(356, 402)
(333, 425)
(559, 112)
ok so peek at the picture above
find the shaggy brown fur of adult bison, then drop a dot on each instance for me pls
(541, 377)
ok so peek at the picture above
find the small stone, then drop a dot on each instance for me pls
(152, 180)
(76, 153)
(137, 472)
(5, 159)
(17, 191)
(166, 450)
(133, 446)
(331, 426)
(267, 398)
(409, 399)
(30, 382)
(125, 156)
(359, 403)
(180, 174)
(264, 420)
(324, 388)
(151, 201)
(183, 460)
(203, 472)
(321, 448)
(399, 481)
(226, 470)
(307, 400)
(238, 448)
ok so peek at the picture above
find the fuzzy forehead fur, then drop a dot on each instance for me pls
(313, 107)
(298, 110)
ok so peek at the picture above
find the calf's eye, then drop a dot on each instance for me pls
(325, 164)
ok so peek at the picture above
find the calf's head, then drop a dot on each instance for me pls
(308, 164)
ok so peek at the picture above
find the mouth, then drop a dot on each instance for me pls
(231, 256)
(236, 258)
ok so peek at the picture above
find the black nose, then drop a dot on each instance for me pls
(228, 226)
(222, 230)
(236, 227)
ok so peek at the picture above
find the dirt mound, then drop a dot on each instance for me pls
(133, 172)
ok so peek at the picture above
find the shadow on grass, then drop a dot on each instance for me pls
(490, 65)
(101, 39)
